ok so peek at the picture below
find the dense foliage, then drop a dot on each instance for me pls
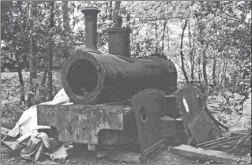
(209, 41)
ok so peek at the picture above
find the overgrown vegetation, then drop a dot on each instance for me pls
(209, 41)
(11, 109)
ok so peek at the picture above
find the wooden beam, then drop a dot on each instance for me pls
(205, 155)
(122, 156)
(218, 142)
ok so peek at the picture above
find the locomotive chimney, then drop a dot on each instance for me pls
(119, 41)
(91, 27)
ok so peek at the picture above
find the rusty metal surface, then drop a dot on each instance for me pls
(170, 107)
(146, 106)
(168, 126)
(119, 41)
(129, 135)
(192, 106)
(91, 27)
(126, 139)
(81, 123)
(114, 78)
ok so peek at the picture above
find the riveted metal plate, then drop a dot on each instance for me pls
(147, 106)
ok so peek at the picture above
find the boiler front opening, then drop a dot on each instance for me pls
(82, 77)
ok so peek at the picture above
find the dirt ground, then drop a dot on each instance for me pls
(159, 157)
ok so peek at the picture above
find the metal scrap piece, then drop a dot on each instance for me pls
(190, 102)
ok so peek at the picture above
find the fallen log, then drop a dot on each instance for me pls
(237, 134)
(205, 155)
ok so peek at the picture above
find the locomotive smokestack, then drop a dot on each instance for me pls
(119, 41)
(91, 27)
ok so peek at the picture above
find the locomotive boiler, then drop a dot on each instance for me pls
(119, 100)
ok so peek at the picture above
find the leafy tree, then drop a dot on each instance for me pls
(12, 34)
(212, 50)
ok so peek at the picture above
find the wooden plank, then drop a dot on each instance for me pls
(218, 142)
(46, 162)
(220, 146)
(237, 134)
(124, 156)
(211, 142)
(205, 155)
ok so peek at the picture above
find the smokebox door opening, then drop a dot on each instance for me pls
(82, 77)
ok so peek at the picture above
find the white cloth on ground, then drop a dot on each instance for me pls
(25, 136)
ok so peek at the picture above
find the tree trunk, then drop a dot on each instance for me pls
(204, 64)
(14, 47)
(20, 76)
(128, 26)
(66, 27)
(182, 54)
(214, 71)
(21, 81)
(50, 55)
(110, 10)
(33, 74)
(40, 95)
(33, 68)
(168, 37)
(218, 74)
(25, 56)
(156, 27)
(191, 52)
(43, 81)
(199, 69)
(138, 49)
(223, 77)
(128, 20)
(163, 36)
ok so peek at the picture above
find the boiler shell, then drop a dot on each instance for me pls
(119, 78)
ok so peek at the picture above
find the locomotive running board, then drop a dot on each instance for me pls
(146, 106)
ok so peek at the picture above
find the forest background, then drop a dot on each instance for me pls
(208, 41)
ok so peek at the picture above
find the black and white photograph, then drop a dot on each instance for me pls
(126, 82)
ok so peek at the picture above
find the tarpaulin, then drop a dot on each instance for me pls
(26, 137)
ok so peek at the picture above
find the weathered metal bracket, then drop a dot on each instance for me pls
(81, 123)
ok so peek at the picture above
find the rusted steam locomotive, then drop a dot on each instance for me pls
(126, 102)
